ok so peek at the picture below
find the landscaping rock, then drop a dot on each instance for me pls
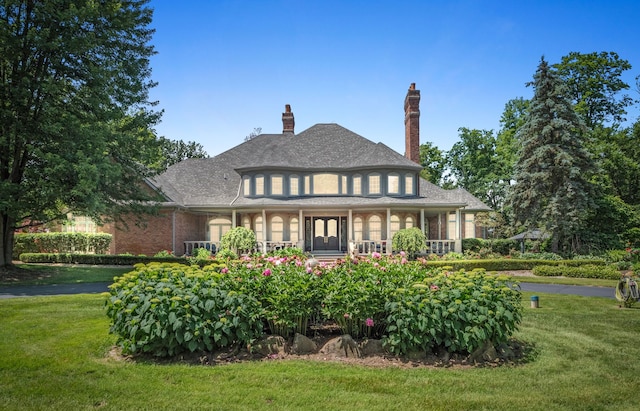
(486, 352)
(303, 345)
(342, 347)
(268, 346)
(372, 347)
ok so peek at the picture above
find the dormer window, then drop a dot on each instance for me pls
(374, 183)
(246, 185)
(294, 185)
(393, 184)
(276, 185)
(357, 185)
(408, 185)
(260, 185)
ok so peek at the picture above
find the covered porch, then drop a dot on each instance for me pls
(338, 231)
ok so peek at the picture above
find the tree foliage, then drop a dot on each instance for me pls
(552, 172)
(594, 85)
(74, 113)
(434, 162)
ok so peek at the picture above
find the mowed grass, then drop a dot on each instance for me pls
(54, 355)
(43, 274)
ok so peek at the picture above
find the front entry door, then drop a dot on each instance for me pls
(325, 233)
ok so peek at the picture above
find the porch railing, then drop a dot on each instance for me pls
(190, 246)
(440, 247)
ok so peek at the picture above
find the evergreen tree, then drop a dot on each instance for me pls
(552, 189)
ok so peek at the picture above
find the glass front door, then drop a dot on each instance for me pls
(325, 233)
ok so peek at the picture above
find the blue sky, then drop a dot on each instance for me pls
(226, 67)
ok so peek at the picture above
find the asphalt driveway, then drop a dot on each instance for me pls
(93, 288)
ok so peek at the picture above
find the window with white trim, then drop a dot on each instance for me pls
(408, 184)
(357, 185)
(375, 228)
(260, 185)
(294, 185)
(276, 185)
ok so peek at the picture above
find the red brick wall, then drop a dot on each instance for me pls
(156, 233)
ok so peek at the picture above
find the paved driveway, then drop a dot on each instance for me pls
(92, 288)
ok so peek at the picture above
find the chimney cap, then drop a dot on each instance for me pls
(412, 86)
(287, 108)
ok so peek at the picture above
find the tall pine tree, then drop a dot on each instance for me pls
(552, 189)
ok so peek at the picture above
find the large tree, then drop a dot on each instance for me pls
(74, 110)
(595, 86)
(552, 189)
(434, 162)
(473, 164)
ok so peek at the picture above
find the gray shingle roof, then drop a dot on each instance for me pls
(215, 182)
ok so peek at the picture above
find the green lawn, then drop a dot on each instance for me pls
(53, 355)
(42, 274)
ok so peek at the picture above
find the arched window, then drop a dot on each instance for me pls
(277, 228)
(246, 222)
(357, 229)
(375, 228)
(409, 222)
(293, 229)
(218, 227)
(258, 226)
(395, 225)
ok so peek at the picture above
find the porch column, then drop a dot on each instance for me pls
(388, 222)
(301, 229)
(422, 226)
(233, 219)
(439, 226)
(264, 230)
(458, 243)
(350, 225)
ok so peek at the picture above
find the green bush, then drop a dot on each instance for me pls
(409, 240)
(365, 296)
(583, 271)
(504, 264)
(239, 240)
(94, 259)
(473, 244)
(166, 309)
(61, 243)
(455, 311)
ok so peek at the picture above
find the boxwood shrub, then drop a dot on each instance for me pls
(95, 259)
(61, 243)
(583, 271)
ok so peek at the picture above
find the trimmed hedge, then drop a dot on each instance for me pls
(61, 243)
(95, 259)
(506, 264)
(584, 271)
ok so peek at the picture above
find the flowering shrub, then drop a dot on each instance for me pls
(165, 309)
(457, 311)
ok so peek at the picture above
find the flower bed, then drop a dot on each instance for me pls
(165, 309)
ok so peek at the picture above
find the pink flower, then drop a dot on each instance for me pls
(369, 322)
(403, 261)
(347, 316)
(434, 287)
(309, 269)
(402, 253)
(224, 270)
(249, 266)
(266, 272)
(375, 254)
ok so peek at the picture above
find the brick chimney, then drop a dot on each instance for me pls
(412, 124)
(288, 123)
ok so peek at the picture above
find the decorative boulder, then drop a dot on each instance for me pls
(303, 345)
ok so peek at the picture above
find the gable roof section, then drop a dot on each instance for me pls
(215, 181)
(323, 147)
